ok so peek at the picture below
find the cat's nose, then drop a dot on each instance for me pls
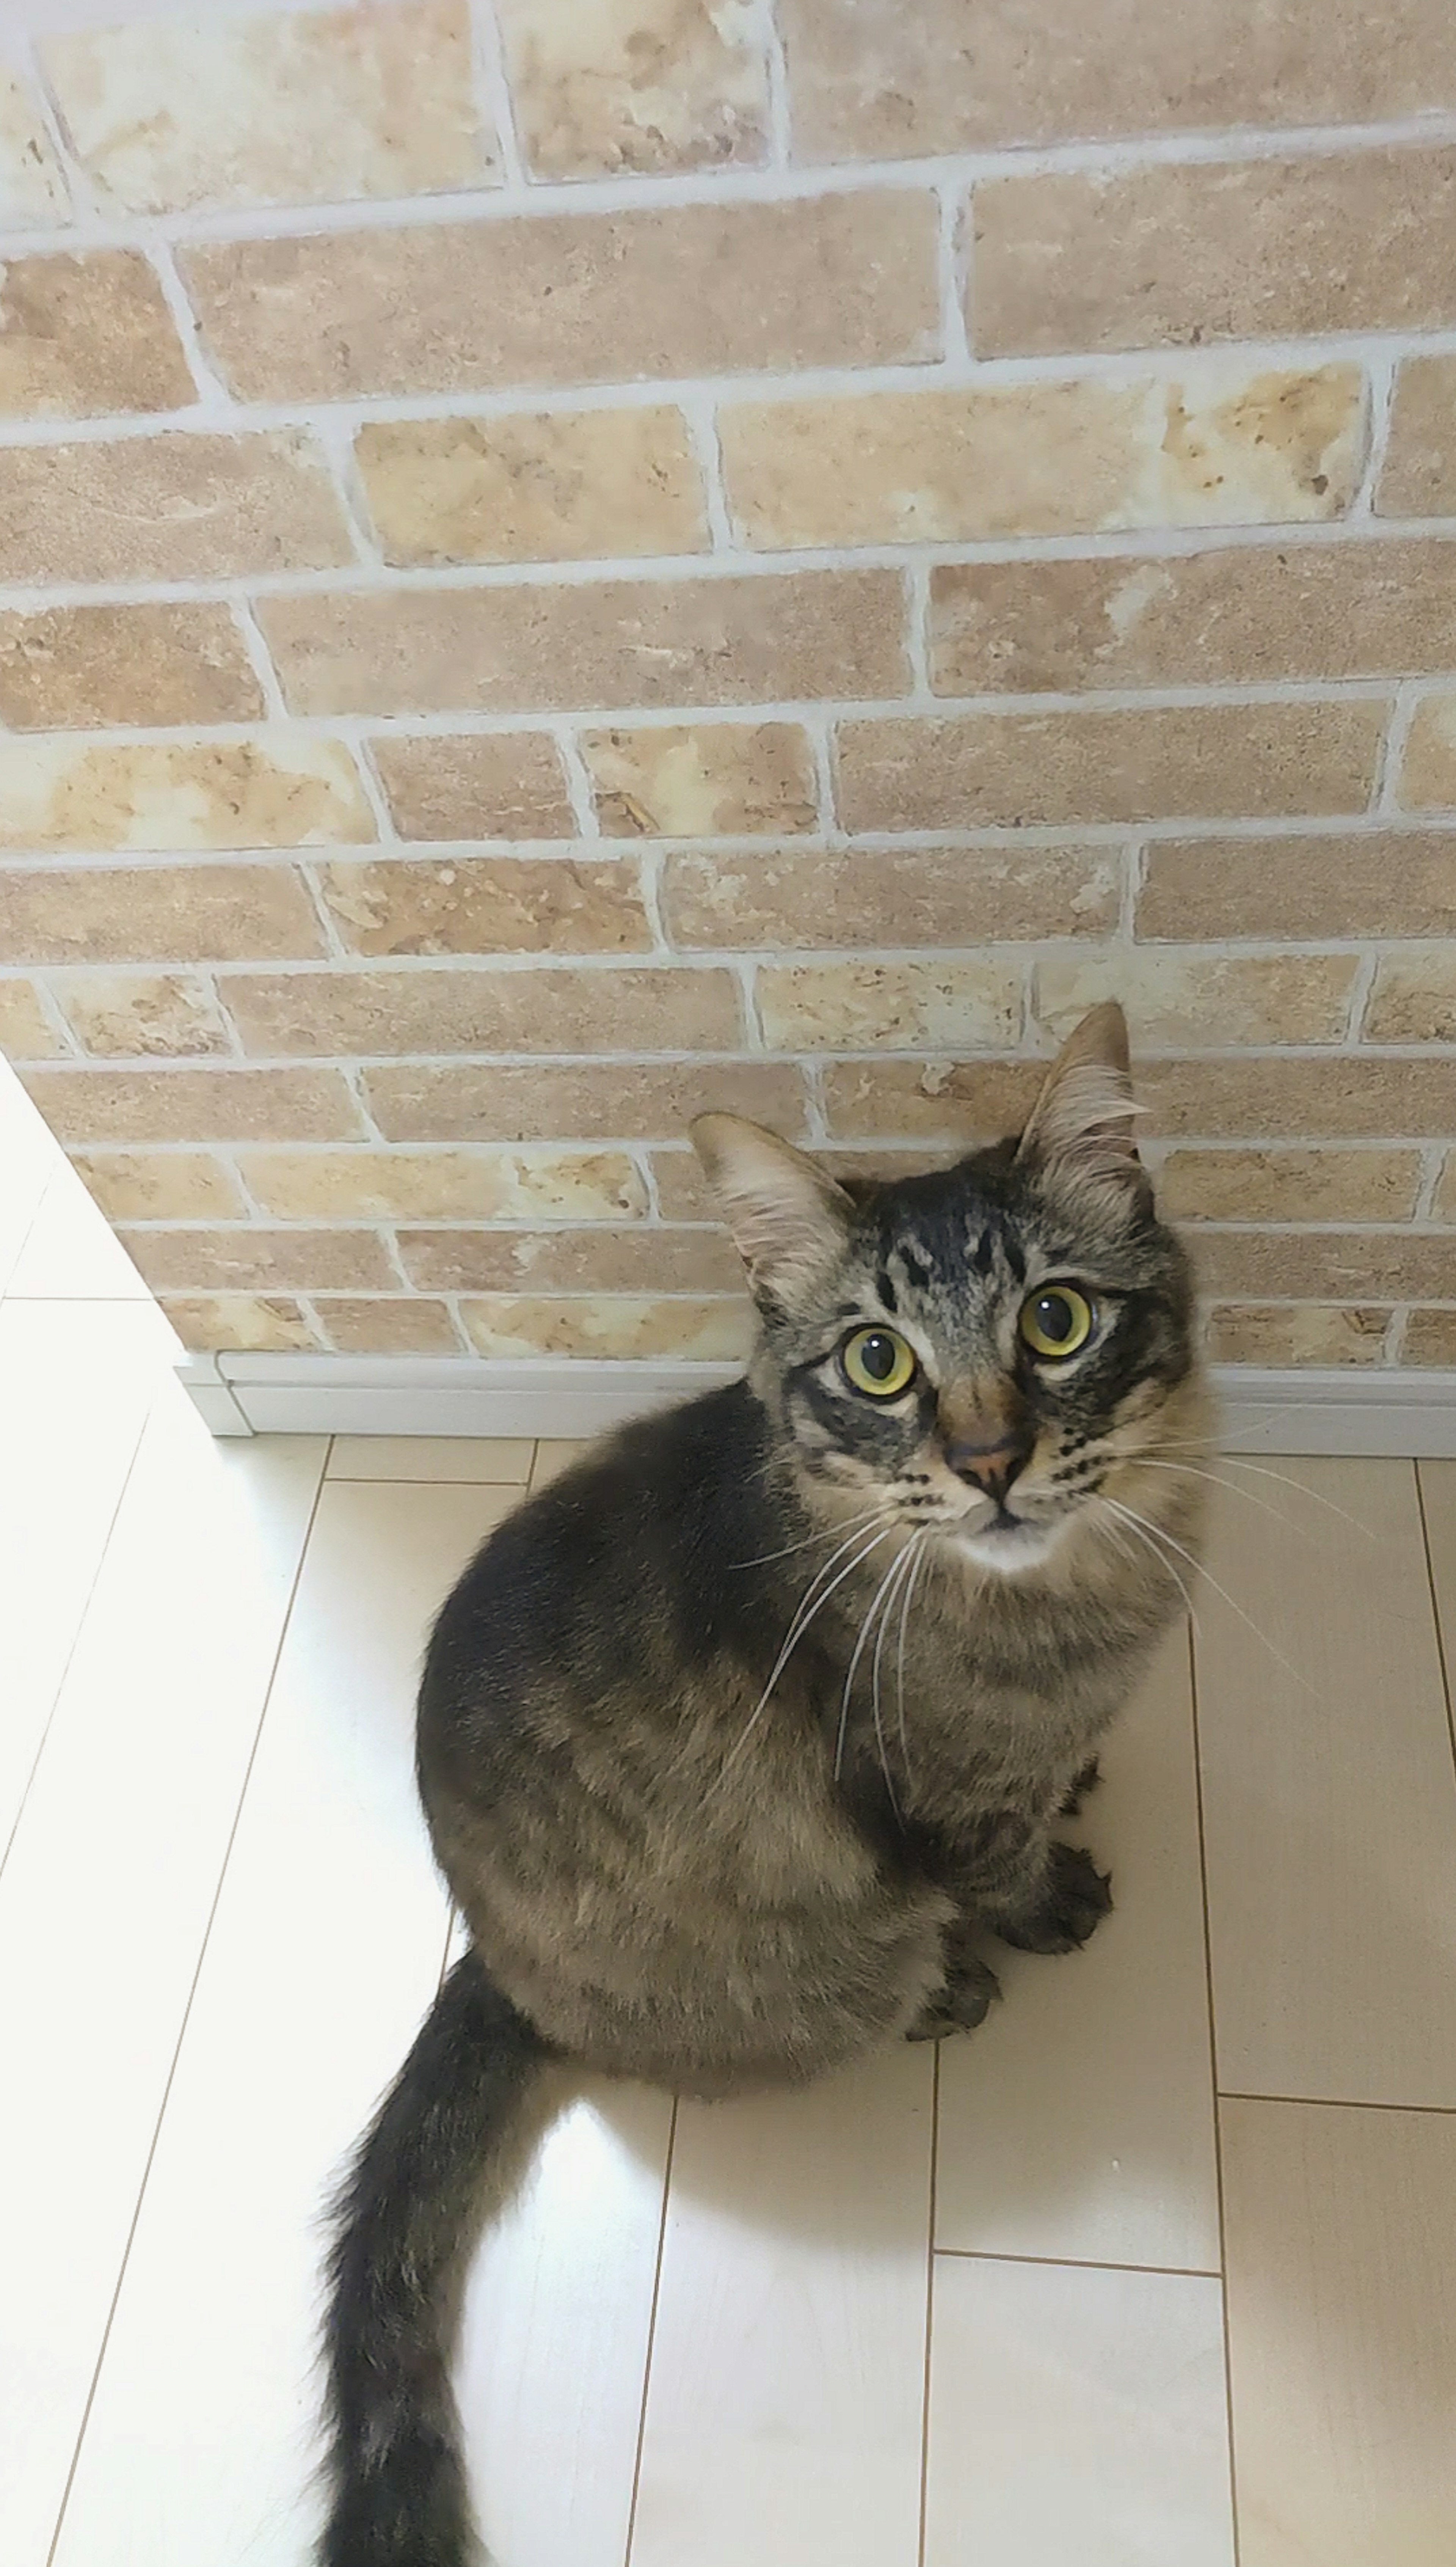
(992, 1466)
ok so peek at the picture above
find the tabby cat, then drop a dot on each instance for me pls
(740, 1740)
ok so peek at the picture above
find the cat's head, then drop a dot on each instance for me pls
(988, 1349)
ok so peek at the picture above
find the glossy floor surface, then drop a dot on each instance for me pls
(1159, 2270)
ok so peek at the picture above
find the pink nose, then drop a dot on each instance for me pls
(989, 1466)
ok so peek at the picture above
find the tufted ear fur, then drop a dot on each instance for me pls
(1082, 1121)
(787, 1218)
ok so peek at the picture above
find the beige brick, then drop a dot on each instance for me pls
(703, 781)
(25, 1028)
(1414, 998)
(122, 1015)
(850, 1007)
(1430, 1338)
(282, 789)
(545, 486)
(555, 1101)
(1223, 446)
(1446, 1196)
(242, 1323)
(98, 1105)
(1278, 1334)
(176, 506)
(1233, 616)
(1419, 475)
(84, 334)
(491, 784)
(1161, 762)
(158, 914)
(645, 1259)
(443, 1185)
(308, 1013)
(1249, 1097)
(1382, 882)
(876, 79)
(891, 896)
(389, 1326)
(960, 1102)
(1290, 1185)
(167, 114)
(159, 1185)
(1427, 779)
(547, 299)
(88, 667)
(691, 1331)
(1173, 252)
(602, 85)
(1196, 994)
(32, 186)
(1324, 1265)
(535, 648)
(264, 1261)
(487, 905)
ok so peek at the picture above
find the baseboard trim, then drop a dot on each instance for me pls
(1334, 1412)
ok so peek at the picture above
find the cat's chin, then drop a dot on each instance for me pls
(1011, 1551)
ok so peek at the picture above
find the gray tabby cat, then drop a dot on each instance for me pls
(738, 1741)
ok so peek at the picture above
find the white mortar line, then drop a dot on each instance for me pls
(702, 417)
(1395, 1333)
(1433, 1161)
(580, 786)
(494, 97)
(214, 400)
(1421, 133)
(333, 438)
(354, 1080)
(650, 867)
(337, 949)
(355, 737)
(781, 108)
(956, 282)
(256, 649)
(1380, 400)
(1392, 761)
(1360, 997)
(28, 56)
(819, 730)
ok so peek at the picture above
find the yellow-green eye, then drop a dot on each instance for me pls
(1057, 1322)
(878, 1362)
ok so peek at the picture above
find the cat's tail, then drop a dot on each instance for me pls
(405, 2216)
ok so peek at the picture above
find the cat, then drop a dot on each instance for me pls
(739, 1740)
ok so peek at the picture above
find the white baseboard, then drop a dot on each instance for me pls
(1272, 1412)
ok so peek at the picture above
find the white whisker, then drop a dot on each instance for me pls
(802, 1618)
(1234, 1607)
(857, 1653)
(920, 1550)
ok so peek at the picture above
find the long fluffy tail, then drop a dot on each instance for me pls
(405, 2216)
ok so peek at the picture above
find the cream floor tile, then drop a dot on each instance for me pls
(432, 1457)
(71, 1253)
(784, 2402)
(553, 2352)
(1076, 2413)
(1438, 1508)
(105, 1901)
(1078, 2121)
(1330, 1795)
(76, 1383)
(555, 1454)
(323, 1953)
(1341, 2245)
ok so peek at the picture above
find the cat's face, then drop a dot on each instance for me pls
(988, 1350)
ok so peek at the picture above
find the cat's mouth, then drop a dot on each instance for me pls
(1008, 1543)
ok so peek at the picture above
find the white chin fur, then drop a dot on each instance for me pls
(1012, 1552)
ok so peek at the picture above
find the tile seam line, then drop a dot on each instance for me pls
(657, 2285)
(15, 1300)
(803, 182)
(1191, 1640)
(1078, 2263)
(1442, 1657)
(1334, 2103)
(202, 1949)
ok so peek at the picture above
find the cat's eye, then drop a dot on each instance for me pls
(878, 1362)
(1057, 1322)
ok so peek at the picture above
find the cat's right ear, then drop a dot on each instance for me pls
(789, 1221)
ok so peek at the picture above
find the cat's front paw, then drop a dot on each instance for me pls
(1075, 1899)
(1083, 1783)
(970, 1992)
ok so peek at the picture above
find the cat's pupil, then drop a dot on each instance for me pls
(878, 1355)
(1055, 1317)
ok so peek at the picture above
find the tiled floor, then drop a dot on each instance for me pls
(993, 2309)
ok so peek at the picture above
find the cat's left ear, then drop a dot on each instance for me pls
(787, 1218)
(1082, 1121)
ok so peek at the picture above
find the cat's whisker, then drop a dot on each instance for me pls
(825, 1534)
(802, 1618)
(1190, 1471)
(902, 1568)
(1138, 1524)
(918, 1548)
(883, 1590)
(1237, 1462)
(1234, 1605)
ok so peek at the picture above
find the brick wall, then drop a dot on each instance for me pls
(567, 564)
